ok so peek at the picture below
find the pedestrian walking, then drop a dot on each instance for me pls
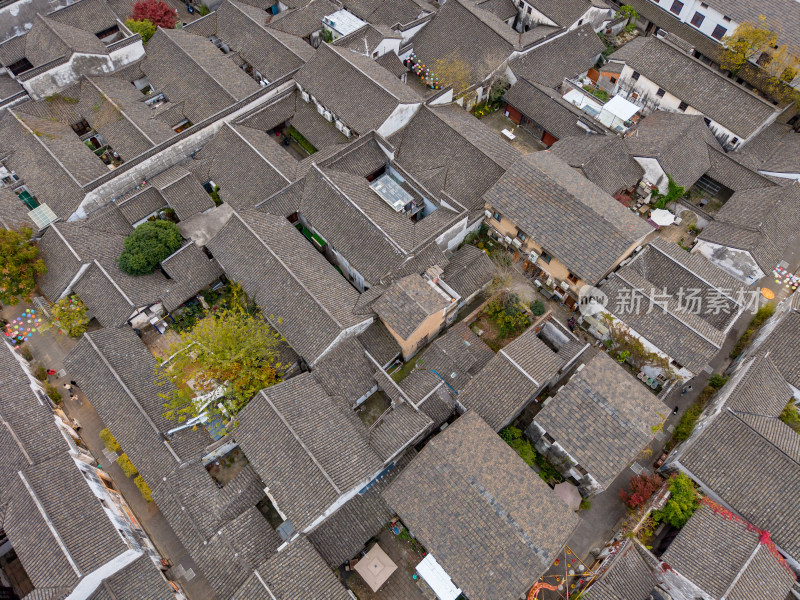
(68, 387)
(51, 371)
(675, 412)
(686, 390)
(73, 384)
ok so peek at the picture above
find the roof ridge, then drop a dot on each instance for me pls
(268, 30)
(761, 435)
(121, 111)
(365, 74)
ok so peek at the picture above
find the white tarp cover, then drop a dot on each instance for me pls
(436, 577)
(662, 217)
(621, 108)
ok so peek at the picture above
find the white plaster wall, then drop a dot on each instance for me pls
(712, 17)
(738, 263)
(598, 17)
(411, 32)
(388, 45)
(401, 115)
(63, 76)
(653, 172)
(451, 238)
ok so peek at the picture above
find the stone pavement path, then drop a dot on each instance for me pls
(49, 348)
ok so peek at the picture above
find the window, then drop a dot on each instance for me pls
(580, 22)
(703, 5)
(635, 76)
(185, 124)
(726, 19)
(677, 7)
(530, 10)
(573, 278)
(682, 106)
(707, 120)
(521, 236)
(719, 32)
(548, 438)
(613, 80)
(697, 19)
(660, 93)
(497, 216)
(546, 258)
(581, 470)
(734, 141)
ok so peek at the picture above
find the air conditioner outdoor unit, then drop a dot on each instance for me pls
(533, 256)
(320, 109)
(305, 96)
(346, 131)
(339, 125)
(328, 116)
(564, 286)
(488, 214)
(507, 240)
(517, 242)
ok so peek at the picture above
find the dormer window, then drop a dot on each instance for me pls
(110, 35)
(81, 128)
(20, 66)
(156, 100)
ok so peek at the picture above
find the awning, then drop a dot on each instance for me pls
(438, 579)
(376, 567)
(621, 108)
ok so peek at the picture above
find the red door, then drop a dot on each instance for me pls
(548, 139)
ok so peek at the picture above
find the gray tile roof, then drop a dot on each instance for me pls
(728, 456)
(627, 578)
(758, 387)
(508, 383)
(563, 12)
(140, 579)
(407, 303)
(93, 16)
(191, 271)
(346, 371)
(244, 29)
(300, 293)
(314, 128)
(180, 64)
(374, 238)
(396, 429)
(503, 9)
(541, 194)
(468, 270)
(377, 340)
(304, 20)
(269, 148)
(732, 171)
(678, 301)
(778, 11)
(491, 523)
(783, 347)
(86, 538)
(744, 567)
(366, 39)
(473, 35)
(306, 446)
(271, 114)
(604, 160)
(392, 63)
(569, 55)
(763, 222)
(141, 204)
(700, 86)
(334, 69)
(448, 149)
(116, 372)
(297, 571)
(49, 39)
(681, 143)
(246, 173)
(602, 417)
(457, 356)
(774, 150)
(342, 535)
(185, 195)
(388, 12)
(547, 108)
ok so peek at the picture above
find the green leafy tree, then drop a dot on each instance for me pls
(235, 348)
(747, 41)
(627, 11)
(147, 245)
(682, 503)
(144, 28)
(69, 315)
(674, 191)
(19, 265)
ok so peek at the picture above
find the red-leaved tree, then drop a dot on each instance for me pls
(158, 12)
(642, 487)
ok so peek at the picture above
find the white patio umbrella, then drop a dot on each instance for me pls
(662, 217)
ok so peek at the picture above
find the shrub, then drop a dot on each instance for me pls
(203, 10)
(143, 488)
(109, 441)
(144, 28)
(762, 314)
(689, 419)
(508, 315)
(158, 12)
(716, 381)
(300, 139)
(126, 465)
(791, 416)
(523, 447)
(586, 504)
(53, 393)
(537, 308)
(40, 372)
(147, 245)
(20, 265)
(682, 503)
(69, 315)
(641, 488)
